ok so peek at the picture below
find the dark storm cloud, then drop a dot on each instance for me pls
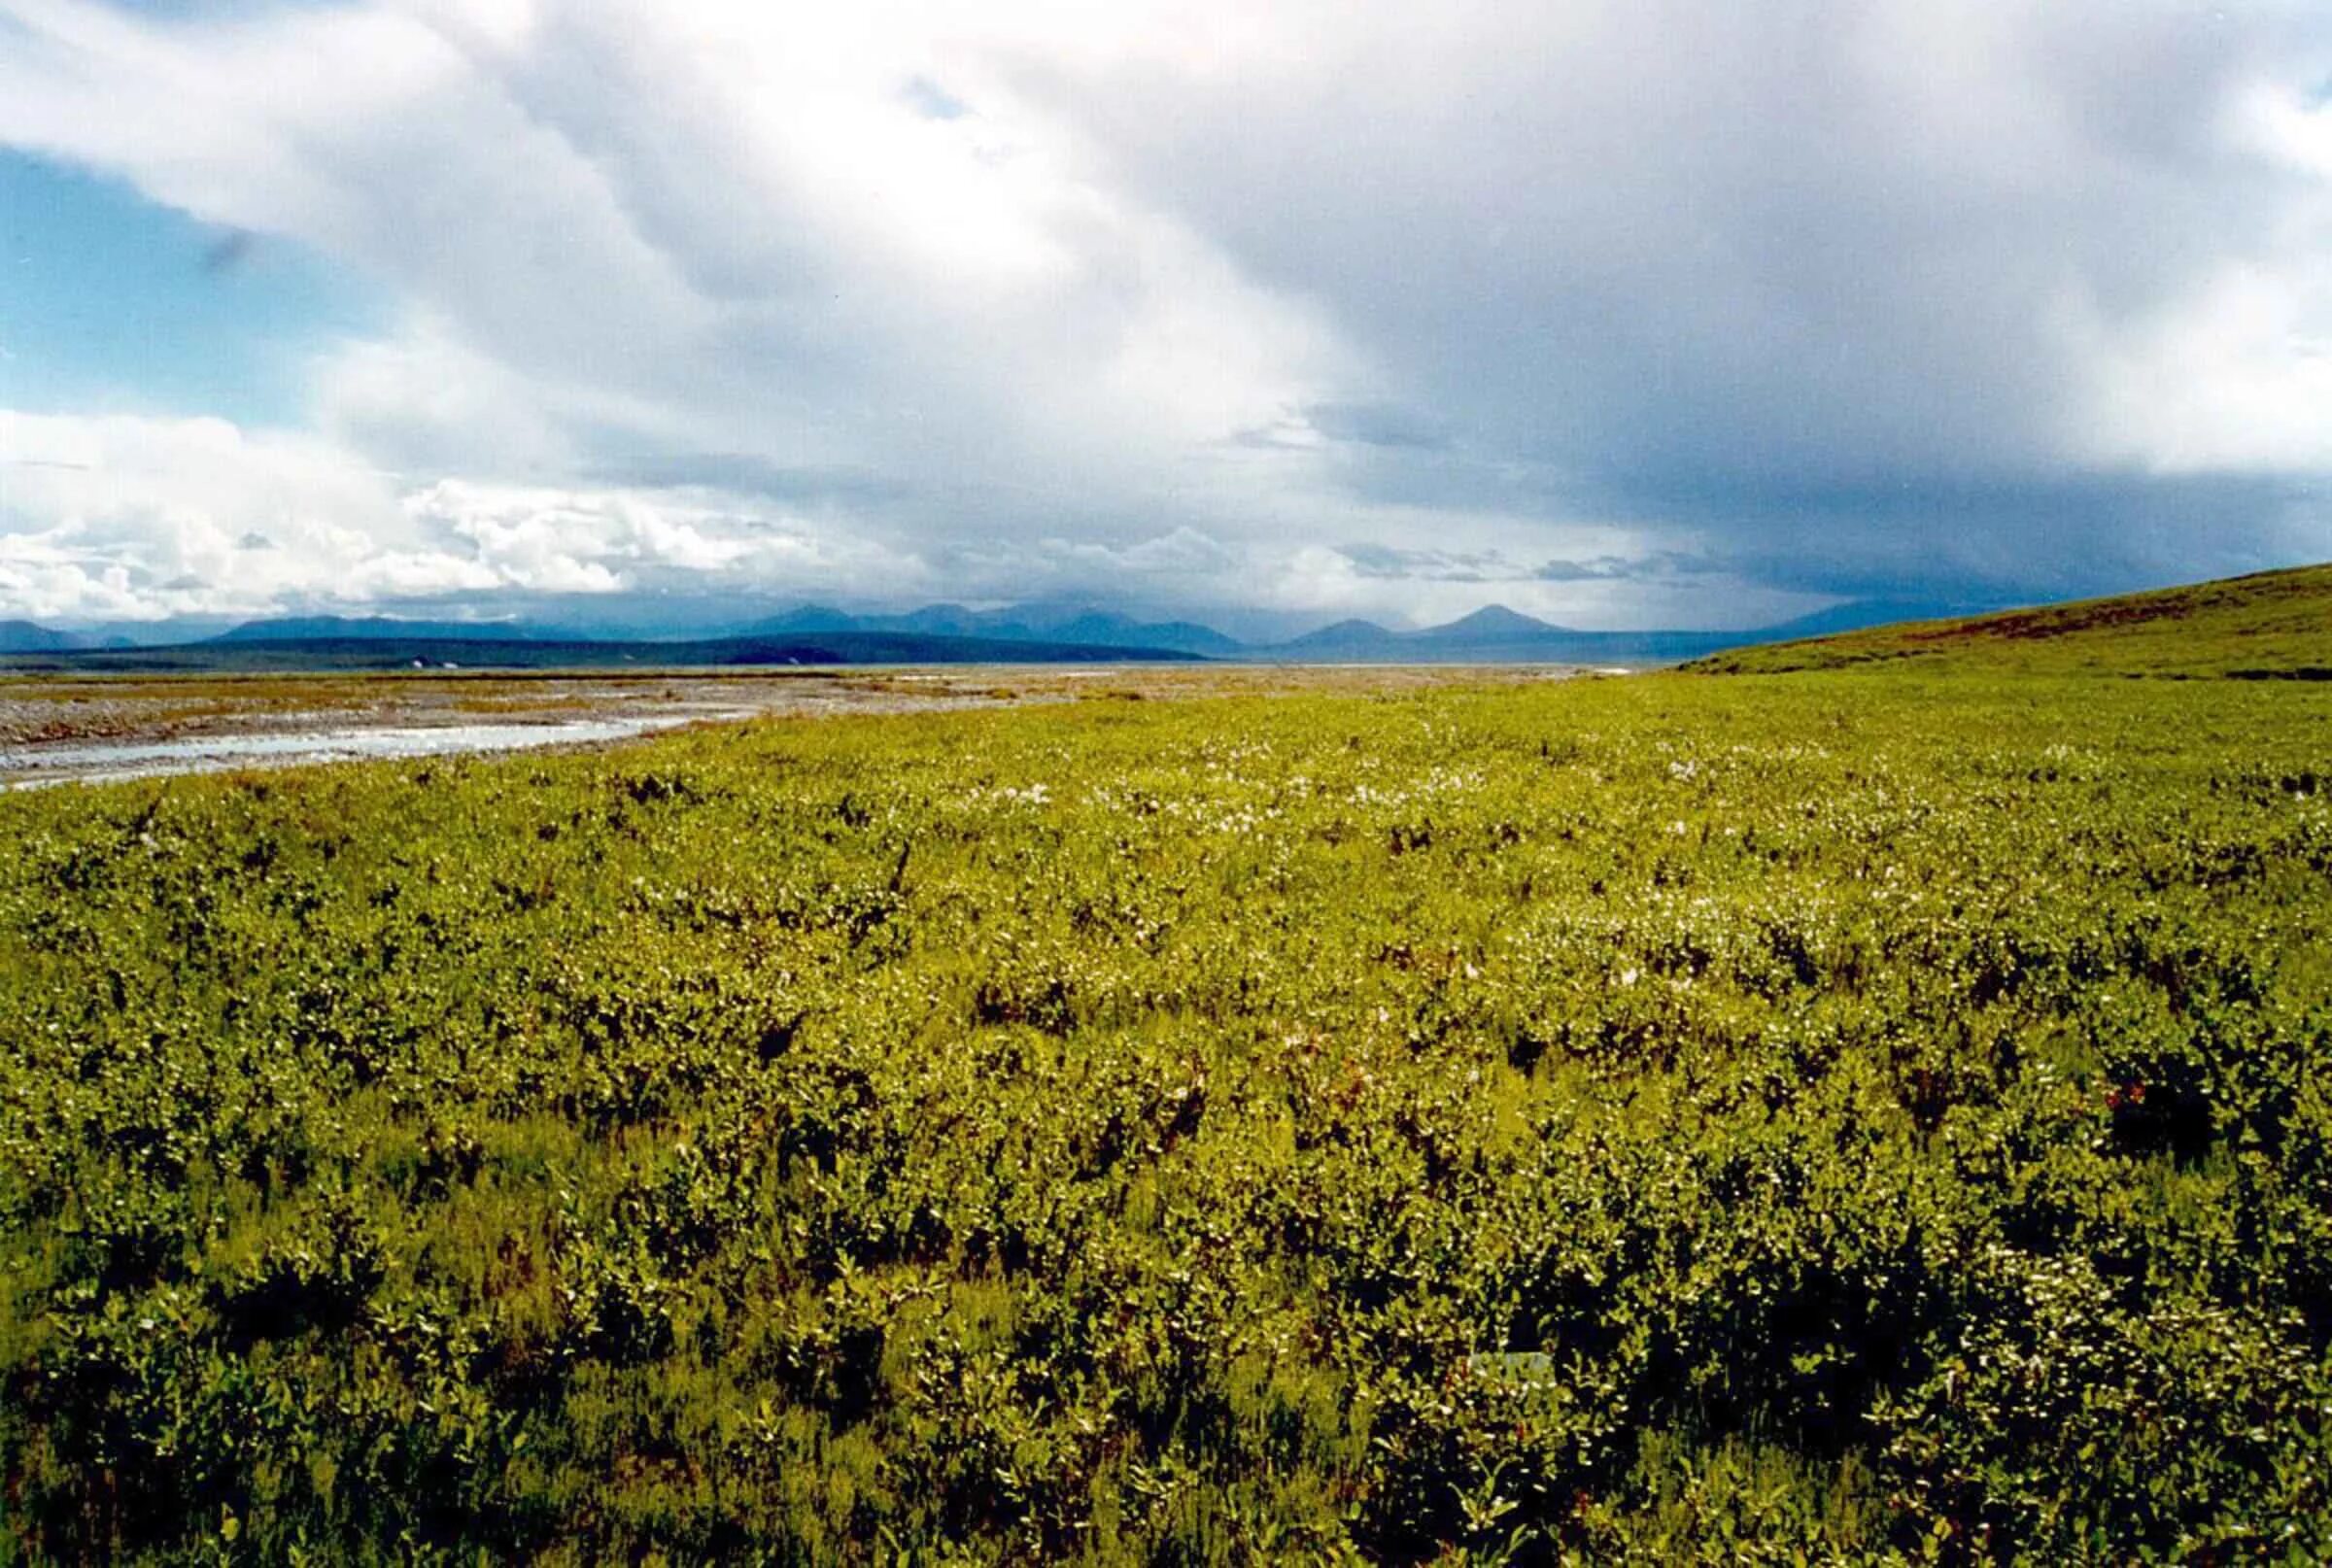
(2009, 537)
(1841, 285)
(1378, 425)
(1608, 311)
(1656, 564)
(227, 252)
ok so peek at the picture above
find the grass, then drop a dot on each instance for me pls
(2274, 625)
(1803, 1118)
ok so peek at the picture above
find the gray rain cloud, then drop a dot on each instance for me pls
(1618, 313)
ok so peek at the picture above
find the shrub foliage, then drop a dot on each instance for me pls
(1797, 1120)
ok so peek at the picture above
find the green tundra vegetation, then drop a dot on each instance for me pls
(1839, 1116)
(2271, 625)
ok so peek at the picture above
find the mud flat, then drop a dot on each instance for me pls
(89, 728)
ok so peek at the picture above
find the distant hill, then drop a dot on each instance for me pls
(1028, 632)
(809, 618)
(1492, 626)
(936, 620)
(1022, 624)
(1491, 634)
(2275, 624)
(23, 636)
(1345, 638)
(1186, 636)
(373, 628)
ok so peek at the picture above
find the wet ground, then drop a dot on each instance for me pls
(104, 760)
(63, 729)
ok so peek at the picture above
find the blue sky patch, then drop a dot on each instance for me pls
(111, 301)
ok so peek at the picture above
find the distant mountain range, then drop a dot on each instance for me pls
(1020, 623)
(343, 628)
(1497, 635)
(936, 633)
(24, 637)
(261, 652)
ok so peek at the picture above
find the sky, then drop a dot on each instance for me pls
(1270, 312)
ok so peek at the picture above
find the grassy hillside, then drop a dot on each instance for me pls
(1830, 1119)
(2275, 625)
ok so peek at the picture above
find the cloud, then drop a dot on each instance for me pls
(1659, 564)
(1377, 425)
(1438, 566)
(140, 518)
(227, 252)
(1605, 310)
(1628, 251)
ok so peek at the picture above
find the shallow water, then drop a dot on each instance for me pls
(96, 762)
